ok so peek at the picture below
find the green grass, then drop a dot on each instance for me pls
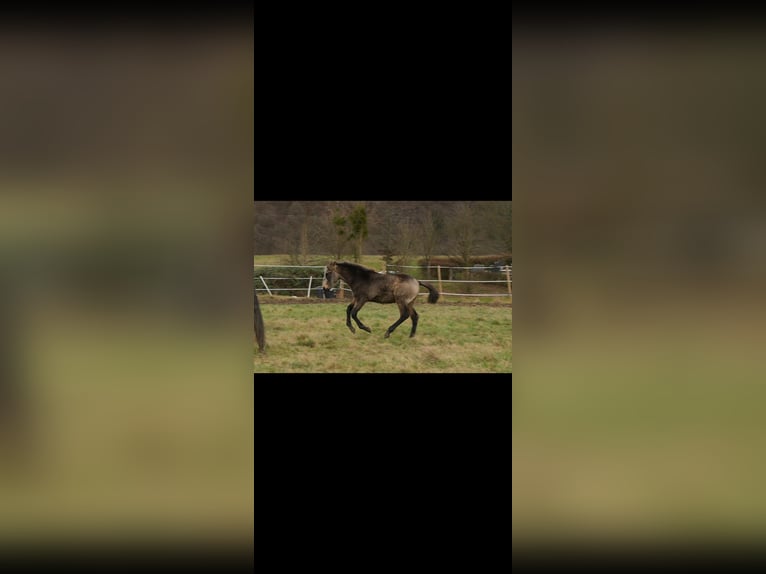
(313, 337)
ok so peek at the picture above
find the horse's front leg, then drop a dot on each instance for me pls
(348, 317)
(354, 311)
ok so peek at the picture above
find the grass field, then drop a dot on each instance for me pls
(305, 336)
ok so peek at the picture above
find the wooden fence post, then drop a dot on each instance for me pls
(508, 279)
(439, 275)
(264, 284)
(308, 293)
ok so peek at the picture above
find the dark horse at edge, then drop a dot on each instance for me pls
(260, 336)
(369, 285)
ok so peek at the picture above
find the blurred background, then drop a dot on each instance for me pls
(638, 173)
(126, 172)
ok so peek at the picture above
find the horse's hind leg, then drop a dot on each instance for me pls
(403, 315)
(348, 317)
(354, 311)
(414, 317)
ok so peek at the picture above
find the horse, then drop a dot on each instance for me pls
(260, 335)
(369, 285)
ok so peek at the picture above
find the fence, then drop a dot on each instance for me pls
(435, 273)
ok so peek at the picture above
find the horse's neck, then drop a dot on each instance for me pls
(353, 277)
(350, 280)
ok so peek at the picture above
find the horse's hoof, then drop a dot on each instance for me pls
(387, 335)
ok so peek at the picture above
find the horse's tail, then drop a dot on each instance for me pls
(433, 294)
(260, 336)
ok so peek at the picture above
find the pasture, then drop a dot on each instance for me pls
(310, 336)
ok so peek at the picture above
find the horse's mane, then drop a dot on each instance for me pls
(354, 266)
(356, 269)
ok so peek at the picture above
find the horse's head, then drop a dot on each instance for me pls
(330, 276)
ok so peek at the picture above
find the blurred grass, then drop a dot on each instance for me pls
(624, 431)
(135, 434)
(125, 182)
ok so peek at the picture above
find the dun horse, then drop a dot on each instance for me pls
(369, 285)
(260, 336)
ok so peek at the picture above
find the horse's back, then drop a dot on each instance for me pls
(392, 288)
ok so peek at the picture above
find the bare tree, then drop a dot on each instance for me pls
(341, 231)
(405, 243)
(383, 230)
(463, 232)
(428, 234)
(357, 220)
(266, 216)
(397, 230)
(295, 234)
(497, 232)
(507, 236)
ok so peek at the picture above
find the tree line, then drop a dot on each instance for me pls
(400, 231)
